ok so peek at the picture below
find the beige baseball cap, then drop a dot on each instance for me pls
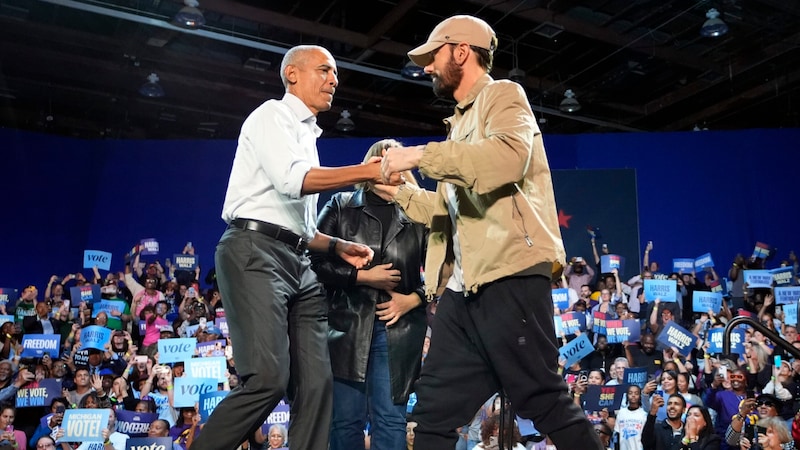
(454, 30)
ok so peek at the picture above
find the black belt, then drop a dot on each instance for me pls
(297, 243)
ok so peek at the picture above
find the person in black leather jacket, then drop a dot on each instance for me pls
(377, 318)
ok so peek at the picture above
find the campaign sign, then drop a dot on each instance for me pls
(88, 293)
(703, 261)
(109, 307)
(702, 301)
(185, 262)
(576, 349)
(715, 336)
(149, 443)
(716, 287)
(187, 390)
(192, 330)
(558, 326)
(208, 402)
(610, 262)
(604, 397)
(134, 424)
(758, 278)
(561, 298)
(635, 376)
(526, 427)
(84, 425)
(207, 368)
(685, 265)
(599, 322)
(148, 246)
(39, 393)
(176, 350)
(782, 276)
(8, 297)
(95, 337)
(790, 313)
(619, 331)
(664, 290)
(211, 348)
(786, 295)
(97, 258)
(222, 324)
(761, 250)
(674, 335)
(36, 345)
(573, 322)
(278, 415)
(6, 318)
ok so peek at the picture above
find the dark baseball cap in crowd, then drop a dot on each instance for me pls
(454, 30)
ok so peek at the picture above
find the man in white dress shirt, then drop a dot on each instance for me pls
(275, 307)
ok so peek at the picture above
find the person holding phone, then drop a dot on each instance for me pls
(51, 422)
(771, 434)
(10, 436)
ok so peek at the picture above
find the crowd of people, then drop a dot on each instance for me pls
(330, 313)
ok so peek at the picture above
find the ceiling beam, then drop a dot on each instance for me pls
(770, 87)
(742, 64)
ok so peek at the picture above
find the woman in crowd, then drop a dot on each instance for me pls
(186, 427)
(376, 314)
(276, 437)
(669, 386)
(684, 388)
(16, 439)
(490, 431)
(777, 436)
(699, 433)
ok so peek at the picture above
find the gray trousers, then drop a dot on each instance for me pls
(277, 317)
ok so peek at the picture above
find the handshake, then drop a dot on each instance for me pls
(395, 161)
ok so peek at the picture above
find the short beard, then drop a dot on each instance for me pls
(444, 85)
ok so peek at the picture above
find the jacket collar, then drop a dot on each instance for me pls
(482, 82)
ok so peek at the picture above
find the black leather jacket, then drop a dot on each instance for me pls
(351, 311)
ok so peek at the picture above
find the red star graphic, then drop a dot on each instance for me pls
(563, 219)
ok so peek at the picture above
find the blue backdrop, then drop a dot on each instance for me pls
(697, 192)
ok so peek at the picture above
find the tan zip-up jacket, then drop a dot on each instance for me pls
(493, 151)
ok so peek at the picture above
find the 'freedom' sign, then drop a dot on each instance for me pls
(36, 345)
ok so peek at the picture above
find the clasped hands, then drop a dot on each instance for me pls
(394, 161)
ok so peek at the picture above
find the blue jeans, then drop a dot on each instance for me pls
(355, 404)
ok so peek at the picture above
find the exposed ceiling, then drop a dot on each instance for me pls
(73, 67)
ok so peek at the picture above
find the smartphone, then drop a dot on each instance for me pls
(660, 393)
(750, 393)
(202, 322)
(141, 359)
(758, 430)
(66, 303)
(723, 372)
(605, 246)
(583, 376)
(778, 361)
(60, 409)
(189, 244)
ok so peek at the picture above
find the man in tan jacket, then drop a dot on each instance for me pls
(493, 219)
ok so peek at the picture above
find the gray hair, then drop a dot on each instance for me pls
(296, 56)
